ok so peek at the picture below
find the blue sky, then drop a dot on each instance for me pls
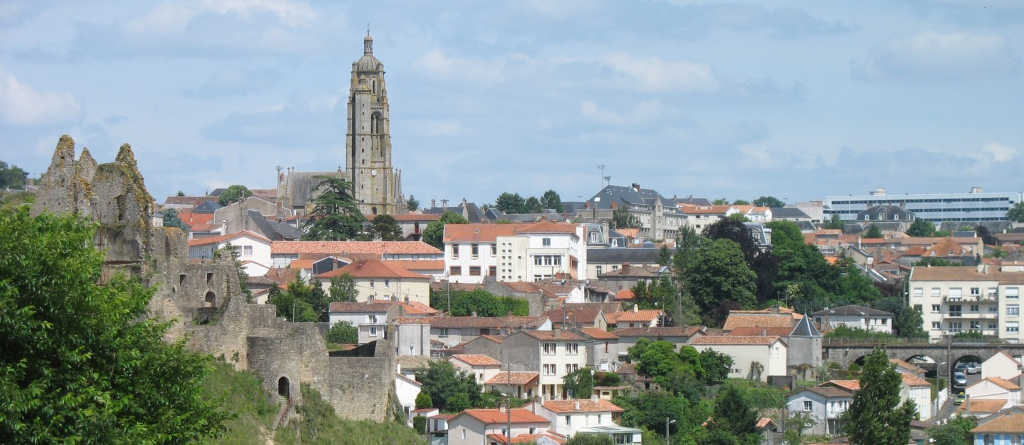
(796, 99)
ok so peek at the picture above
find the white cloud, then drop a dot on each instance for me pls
(174, 16)
(20, 104)
(995, 152)
(641, 112)
(436, 63)
(934, 55)
(435, 127)
(655, 74)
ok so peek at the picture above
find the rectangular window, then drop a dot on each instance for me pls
(474, 270)
(549, 348)
(1013, 292)
(936, 308)
(992, 325)
(547, 260)
(373, 331)
(935, 325)
(974, 308)
(546, 242)
(975, 325)
(538, 260)
(808, 405)
(976, 292)
(956, 326)
(993, 292)
(1012, 310)
(572, 348)
(442, 332)
(955, 294)
(247, 250)
(492, 271)
(918, 292)
(955, 310)
(455, 251)
(1012, 327)
(599, 270)
(494, 249)
(568, 368)
(935, 292)
(474, 250)
(371, 283)
(455, 270)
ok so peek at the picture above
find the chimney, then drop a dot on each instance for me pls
(636, 187)
(557, 332)
(625, 268)
(577, 404)
(474, 313)
(635, 308)
(433, 203)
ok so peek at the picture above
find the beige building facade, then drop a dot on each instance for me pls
(970, 298)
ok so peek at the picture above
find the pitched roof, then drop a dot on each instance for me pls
(852, 385)
(754, 331)
(548, 227)
(913, 380)
(1010, 423)
(965, 273)
(946, 247)
(624, 294)
(516, 377)
(805, 329)
(281, 275)
(494, 416)
(228, 237)
(412, 265)
(659, 331)
(599, 334)
(761, 321)
(553, 335)
(559, 315)
(585, 406)
(476, 359)
(910, 366)
(458, 233)
(417, 308)
(373, 269)
(644, 315)
(355, 307)
(1000, 382)
(983, 406)
(515, 322)
(734, 340)
(353, 247)
(853, 310)
(828, 391)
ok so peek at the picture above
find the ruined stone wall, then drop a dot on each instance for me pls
(204, 299)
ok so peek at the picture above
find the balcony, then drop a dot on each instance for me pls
(971, 315)
(990, 298)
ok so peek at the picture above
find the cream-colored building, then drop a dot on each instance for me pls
(515, 252)
(554, 354)
(380, 280)
(770, 351)
(1001, 365)
(969, 298)
(480, 366)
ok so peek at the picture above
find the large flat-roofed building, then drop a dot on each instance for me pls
(975, 205)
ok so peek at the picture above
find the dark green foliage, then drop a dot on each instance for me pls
(873, 232)
(510, 203)
(533, 205)
(718, 273)
(969, 335)
(921, 227)
(763, 264)
(580, 383)
(607, 379)
(450, 390)
(413, 203)
(1016, 213)
(664, 256)
(741, 202)
(343, 332)
(716, 365)
(335, 215)
(551, 200)
(734, 415)
(985, 235)
(12, 177)
(738, 217)
(658, 359)
(907, 321)
(622, 219)
(423, 400)
(319, 425)
(419, 423)
(835, 223)
(876, 415)
(649, 410)
(957, 431)
(936, 262)
(434, 233)
(843, 331)
(80, 363)
(385, 228)
(343, 288)
(590, 439)
(484, 303)
(302, 301)
(684, 311)
(769, 201)
(171, 219)
(233, 193)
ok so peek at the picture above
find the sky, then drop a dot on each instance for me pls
(794, 99)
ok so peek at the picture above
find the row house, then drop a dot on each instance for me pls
(284, 252)
(515, 252)
(825, 404)
(480, 366)
(968, 298)
(521, 384)
(855, 316)
(381, 280)
(370, 319)
(452, 331)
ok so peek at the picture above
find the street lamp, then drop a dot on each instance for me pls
(667, 423)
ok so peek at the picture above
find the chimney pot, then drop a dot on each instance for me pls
(577, 404)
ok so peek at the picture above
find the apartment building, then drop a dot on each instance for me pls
(963, 298)
(515, 252)
(553, 353)
(935, 207)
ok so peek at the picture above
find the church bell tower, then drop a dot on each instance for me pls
(377, 187)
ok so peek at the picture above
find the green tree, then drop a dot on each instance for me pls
(423, 400)
(80, 362)
(658, 359)
(343, 288)
(622, 219)
(734, 415)
(741, 202)
(12, 177)
(835, 222)
(921, 227)
(936, 262)
(302, 301)
(181, 193)
(649, 410)
(533, 205)
(716, 365)
(579, 383)
(510, 203)
(634, 353)
(551, 200)
(907, 321)
(233, 193)
(664, 256)
(590, 439)
(335, 215)
(796, 423)
(413, 203)
(720, 202)
(343, 332)
(171, 219)
(685, 312)
(434, 233)
(956, 431)
(484, 303)
(385, 228)
(1016, 213)
(769, 201)
(876, 415)
(718, 272)
(444, 384)
(873, 232)
(739, 217)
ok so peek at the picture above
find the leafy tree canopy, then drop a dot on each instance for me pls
(483, 303)
(551, 200)
(622, 219)
(873, 232)
(580, 383)
(1016, 213)
(510, 203)
(718, 272)
(956, 431)
(739, 217)
(921, 227)
(769, 201)
(434, 233)
(876, 415)
(413, 203)
(343, 288)
(80, 362)
(741, 202)
(233, 193)
(386, 228)
(171, 219)
(451, 390)
(335, 215)
(343, 332)
(302, 301)
(12, 176)
(734, 415)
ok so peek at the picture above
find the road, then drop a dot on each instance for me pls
(947, 409)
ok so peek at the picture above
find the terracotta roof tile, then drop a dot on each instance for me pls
(560, 316)
(645, 315)
(515, 322)
(624, 294)
(494, 416)
(965, 273)
(281, 275)
(353, 247)
(1010, 423)
(829, 391)
(416, 308)
(548, 227)
(749, 331)
(731, 340)
(301, 264)
(910, 366)
(373, 269)
(550, 335)
(1002, 383)
(476, 359)
(585, 406)
(599, 334)
(913, 380)
(480, 232)
(658, 331)
(852, 385)
(228, 237)
(983, 406)
(762, 321)
(412, 265)
(517, 378)
(411, 320)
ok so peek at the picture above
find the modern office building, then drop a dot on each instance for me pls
(936, 207)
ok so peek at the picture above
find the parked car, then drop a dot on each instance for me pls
(959, 399)
(959, 379)
(967, 367)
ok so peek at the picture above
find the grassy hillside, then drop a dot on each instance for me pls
(241, 394)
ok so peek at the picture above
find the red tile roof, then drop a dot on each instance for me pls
(476, 359)
(585, 406)
(748, 331)
(515, 322)
(281, 275)
(1009, 423)
(228, 237)
(624, 294)
(494, 416)
(658, 331)
(548, 227)
(417, 308)
(852, 385)
(645, 315)
(599, 334)
(517, 378)
(913, 380)
(413, 265)
(551, 335)
(353, 247)
(373, 269)
(733, 340)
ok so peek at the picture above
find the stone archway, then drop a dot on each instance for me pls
(211, 299)
(284, 388)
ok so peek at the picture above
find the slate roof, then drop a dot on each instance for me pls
(852, 310)
(828, 391)
(734, 340)
(628, 195)
(206, 207)
(472, 212)
(188, 200)
(788, 213)
(614, 255)
(805, 329)
(487, 322)
(276, 231)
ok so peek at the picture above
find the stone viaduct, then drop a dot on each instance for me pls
(943, 355)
